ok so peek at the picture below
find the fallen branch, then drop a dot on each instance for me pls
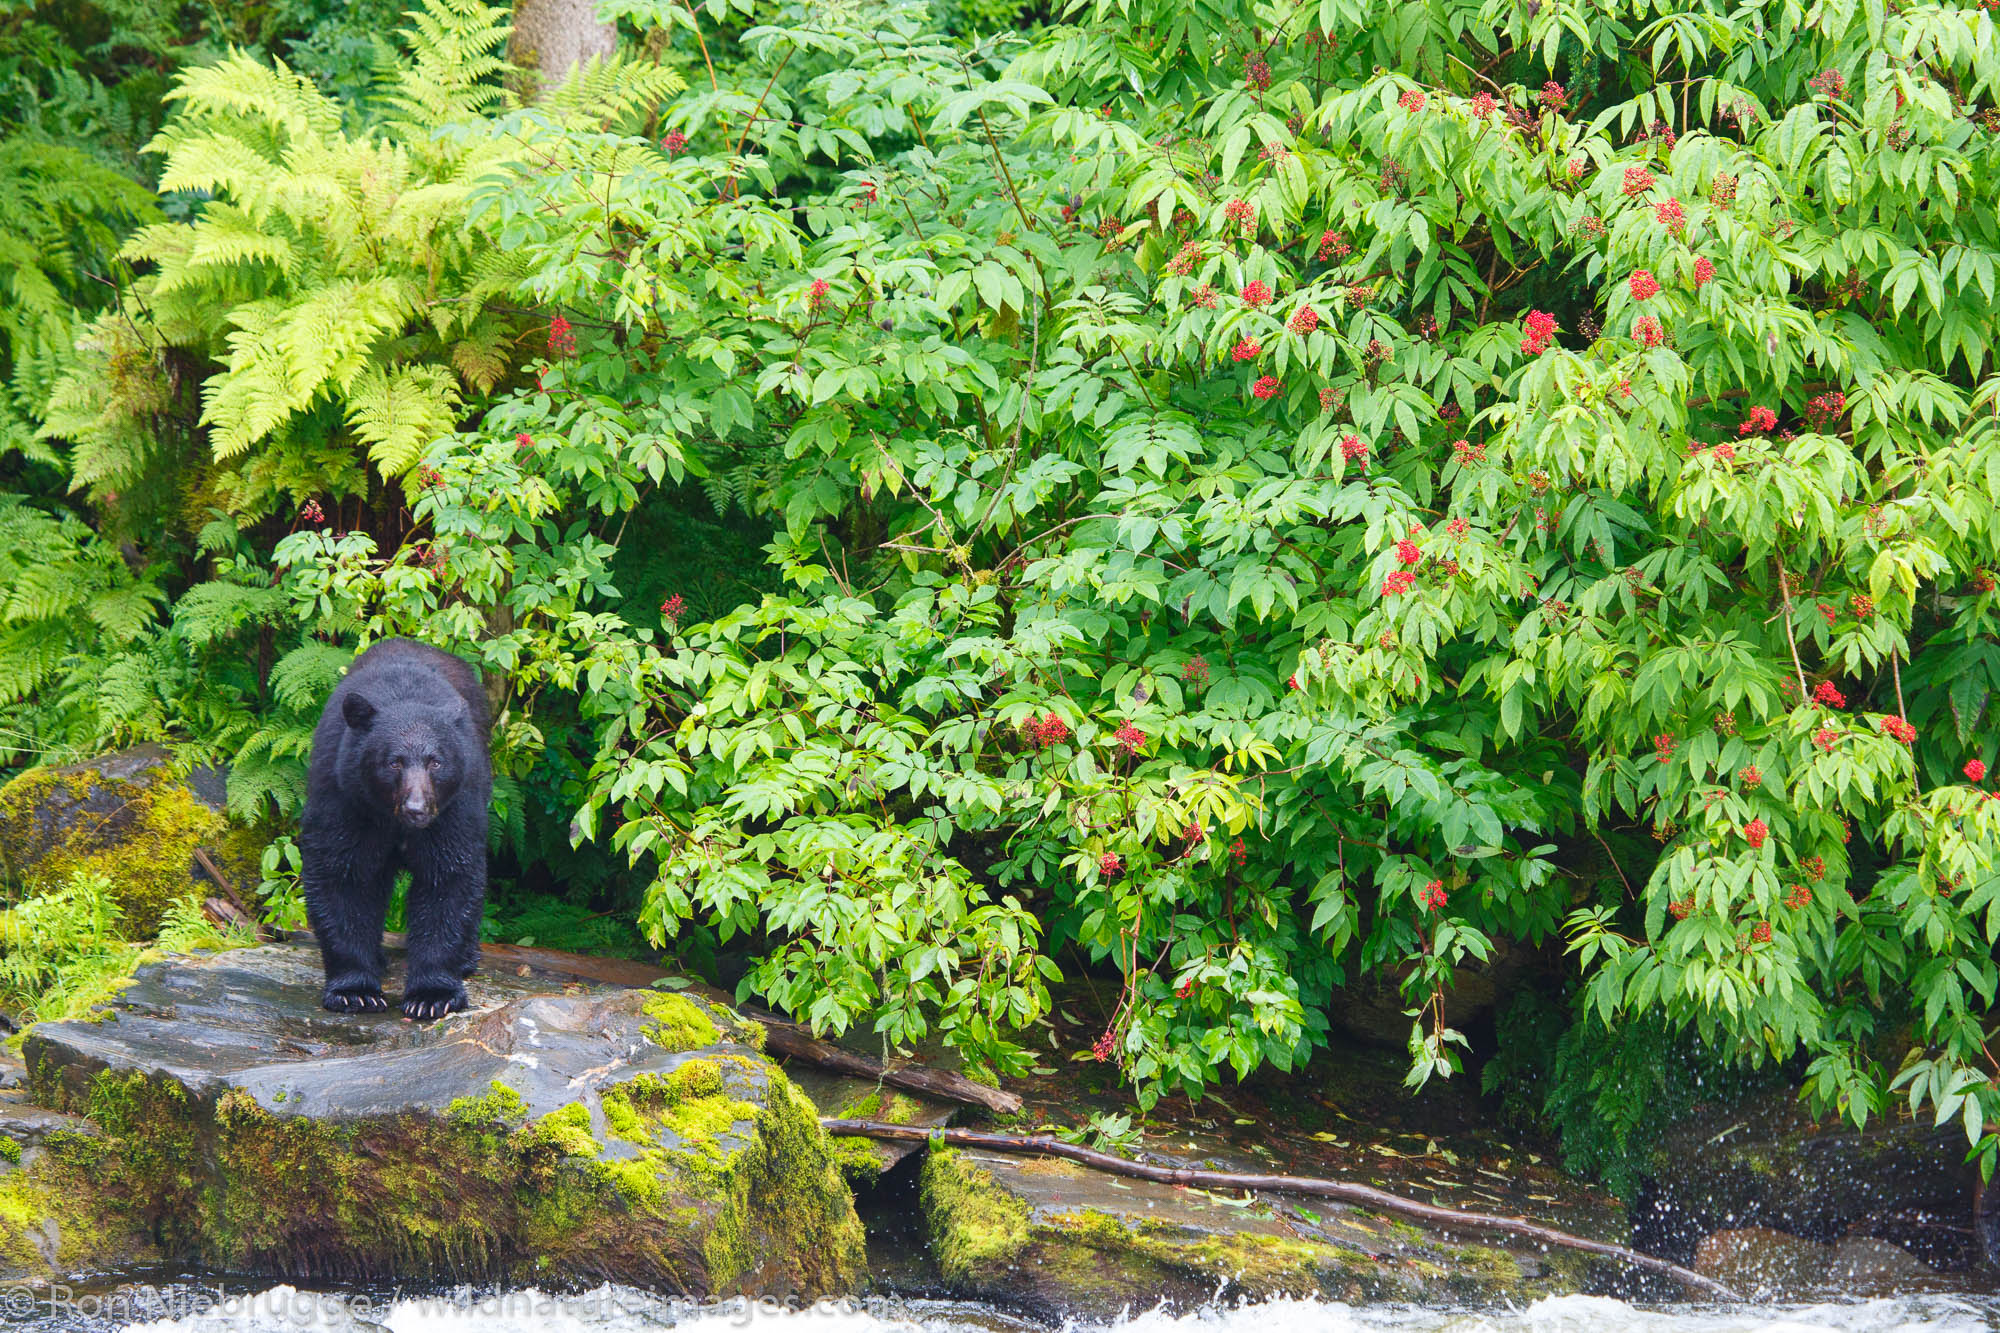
(1365, 1195)
(795, 1043)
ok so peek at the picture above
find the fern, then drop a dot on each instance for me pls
(327, 267)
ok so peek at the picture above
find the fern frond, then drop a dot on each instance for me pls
(287, 102)
(399, 412)
(456, 61)
(306, 675)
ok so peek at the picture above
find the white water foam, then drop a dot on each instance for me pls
(622, 1310)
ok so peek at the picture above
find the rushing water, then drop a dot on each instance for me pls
(187, 1308)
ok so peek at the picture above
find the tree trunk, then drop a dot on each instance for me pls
(552, 37)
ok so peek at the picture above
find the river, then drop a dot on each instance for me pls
(181, 1307)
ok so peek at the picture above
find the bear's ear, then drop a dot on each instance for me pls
(358, 711)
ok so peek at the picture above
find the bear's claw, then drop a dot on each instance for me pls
(355, 1001)
(424, 1008)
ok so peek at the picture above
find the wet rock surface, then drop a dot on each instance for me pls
(559, 1129)
(1768, 1167)
(1053, 1239)
(1764, 1264)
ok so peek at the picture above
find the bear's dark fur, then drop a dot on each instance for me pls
(400, 780)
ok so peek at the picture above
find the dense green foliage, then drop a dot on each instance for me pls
(1243, 497)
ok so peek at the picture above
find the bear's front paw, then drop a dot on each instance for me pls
(429, 1003)
(355, 998)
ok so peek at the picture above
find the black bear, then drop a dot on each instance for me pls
(399, 780)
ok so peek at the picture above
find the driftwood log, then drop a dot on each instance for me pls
(1366, 1196)
(783, 1037)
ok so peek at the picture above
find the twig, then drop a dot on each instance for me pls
(1364, 1195)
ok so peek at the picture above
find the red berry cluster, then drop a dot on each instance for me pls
(1203, 297)
(1411, 100)
(1669, 214)
(1433, 897)
(1760, 421)
(1896, 729)
(1830, 82)
(310, 512)
(1354, 449)
(1240, 211)
(524, 441)
(1750, 776)
(672, 608)
(1644, 286)
(1663, 747)
(1483, 105)
(1755, 832)
(674, 142)
(1862, 605)
(1303, 321)
(1648, 331)
(1538, 330)
(1399, 582)
(1257, 294)
(1798, 896)
(1129, 737)
(1681, 908)
(1815, 867)
(1195, 670)
(1100, 1050)
(1826, 692)
(1554, 96)
(1267, 386)
(1824, 739)
(1408, 552)
(1826, 409)
(1975, 770)
(562, 339)
(1468, 453)
(1638, 181)
(1704, 270)
(1334, 245)
(1238, 853)
(1185, 261)
(1761, 932)
(1047, 730)
(1246, 349)
(1109, 864)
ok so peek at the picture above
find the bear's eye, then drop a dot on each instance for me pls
(396, 761)
(431, 763)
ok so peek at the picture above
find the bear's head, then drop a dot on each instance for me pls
(410, 758)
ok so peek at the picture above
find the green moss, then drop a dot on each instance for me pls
(10, 1150)
(975, 1225)
(500, 1106)
(856, 1159)
(568, 1131)
(679, 1024)
(140, 836)
(723, 1188)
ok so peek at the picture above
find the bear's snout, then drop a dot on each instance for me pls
(418, 806)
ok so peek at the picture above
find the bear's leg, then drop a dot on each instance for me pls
(447, 896)
(347, 883)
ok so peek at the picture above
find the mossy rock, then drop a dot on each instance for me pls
(543, 1136)
(1057, 1241)
(53, 1219)
(122, 817)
